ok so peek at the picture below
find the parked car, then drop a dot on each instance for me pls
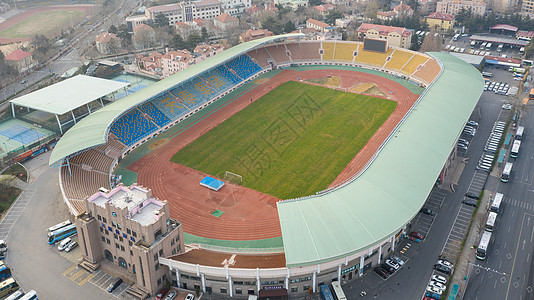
(463, 142)
(63, 244)
(442, 269)
(388, 268)
(397, 260)
(71, 246)
(427, 211)
(439, 279)
(433, 295)
(461, 147)
(470, 202)
(472, 195)
(472, 123)
(438, 285)
(393, 264)
(416, 235)
(114, 285)
(434, 289)
(445, 263)
(189, 297)
(381, 272)
(161, 294)
(171, 296)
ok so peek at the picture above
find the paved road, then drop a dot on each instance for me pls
(35, 264)
(507, 271)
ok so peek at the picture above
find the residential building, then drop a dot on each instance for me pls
(204, 51)
(426, 6)
(402, 10)
(144, 37)
(177, 60)
(251, 34)
(235, 7)
(341, 2)
(133, 21)
(317, 25)
(150, 64)
(452, 7)
(386, 15)
(225, 22)
(107, 43)
(324, 9)
(440, 21)
(504, 6)
(527, 7)
(396, 36)
(131, 229)
(291, 4)
(20, 60)
(186, 11)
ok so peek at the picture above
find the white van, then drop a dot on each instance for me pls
(64, 244)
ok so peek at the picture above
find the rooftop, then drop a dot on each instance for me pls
(165, 8)
(383, 29)
(504, 27)
(318, 23)
(17, 54)
(440, 16)
(241, 261)
(65, 96)
(141, 207)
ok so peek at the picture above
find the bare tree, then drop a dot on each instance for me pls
(432, 42)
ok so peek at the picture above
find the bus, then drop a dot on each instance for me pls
(519, 132)
(455, 37)
(505, 176)
(326, 294)
(521, 50)
(58, 226)
(515, 149)
(61, 233)
(472, 45)
(490, 222)
(338, 291)
(482, 248)
(499, 48)
(15, 296)
(496, 204)
(30, 295)
(483, 46)
(488, 46)
(5, 272)
(8, 286)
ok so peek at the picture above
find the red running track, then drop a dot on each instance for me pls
(248, 214)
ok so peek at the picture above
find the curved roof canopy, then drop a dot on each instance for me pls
(392, 190)
(93, 129)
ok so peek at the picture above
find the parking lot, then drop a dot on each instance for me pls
(14, 212)
(423, 222)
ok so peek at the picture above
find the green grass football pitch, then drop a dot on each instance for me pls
(292, 142)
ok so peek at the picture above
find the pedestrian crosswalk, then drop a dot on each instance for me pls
(524, 204)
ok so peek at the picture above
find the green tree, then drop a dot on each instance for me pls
(371, 9)
(315, 2)
(332, 16)
(161, 21)
(192, 41)
(289, 26)
(272, 25)
(113, 29)
(204, 34)
(124, 35)
(178, 42)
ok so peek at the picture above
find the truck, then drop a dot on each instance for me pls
(517, 70)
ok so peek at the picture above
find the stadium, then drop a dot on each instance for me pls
(245, 241)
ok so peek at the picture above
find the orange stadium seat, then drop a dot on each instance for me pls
(345, 51)
(399, 58)
(372, 58)
(412, 65)
(328, 50)
(428, 71)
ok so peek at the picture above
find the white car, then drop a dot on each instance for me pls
(507, 106)
(392, 264)
(397, 260)
(71, 246)
(189, 297)
(171, 296)
(445, 263)
(438, 285)
(439, 279)
(434, 289)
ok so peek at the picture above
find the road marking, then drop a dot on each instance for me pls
(86, 279)
(78, 274)
(515, 256)
(69, 270)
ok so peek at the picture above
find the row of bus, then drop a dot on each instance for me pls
(60, 231)
(495, 209)
(505, 176)
(8, 285)
(335, 293)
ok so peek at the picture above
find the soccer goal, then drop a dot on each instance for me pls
(233, 177)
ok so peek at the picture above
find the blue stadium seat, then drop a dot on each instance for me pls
(244, 66)
(227, 74)
(170, 106)
(132, 127)
(157, 116)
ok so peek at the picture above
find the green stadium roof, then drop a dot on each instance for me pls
(93, 129)
(394, 187)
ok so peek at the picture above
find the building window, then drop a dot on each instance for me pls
(134, 233)
(223, 291)
(172, 242)
(119, 226)
(157, 267)
(294, 289)
(130, 243)
(122, 248)
(161, 252)
(107, 241)
(306, 287)
(104, 220)
(113, 224)
(159, 281)
(156, 257)
(177, 238)
(173, 251)
(102, 230)
(99, 217)
(103, 239)
(115, 236)
(116, 245)
(122, 263)
(120, 238)
(128, 231)
(238, 291)
(131, 252)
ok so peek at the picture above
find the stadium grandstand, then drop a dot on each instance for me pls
(318, 246)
